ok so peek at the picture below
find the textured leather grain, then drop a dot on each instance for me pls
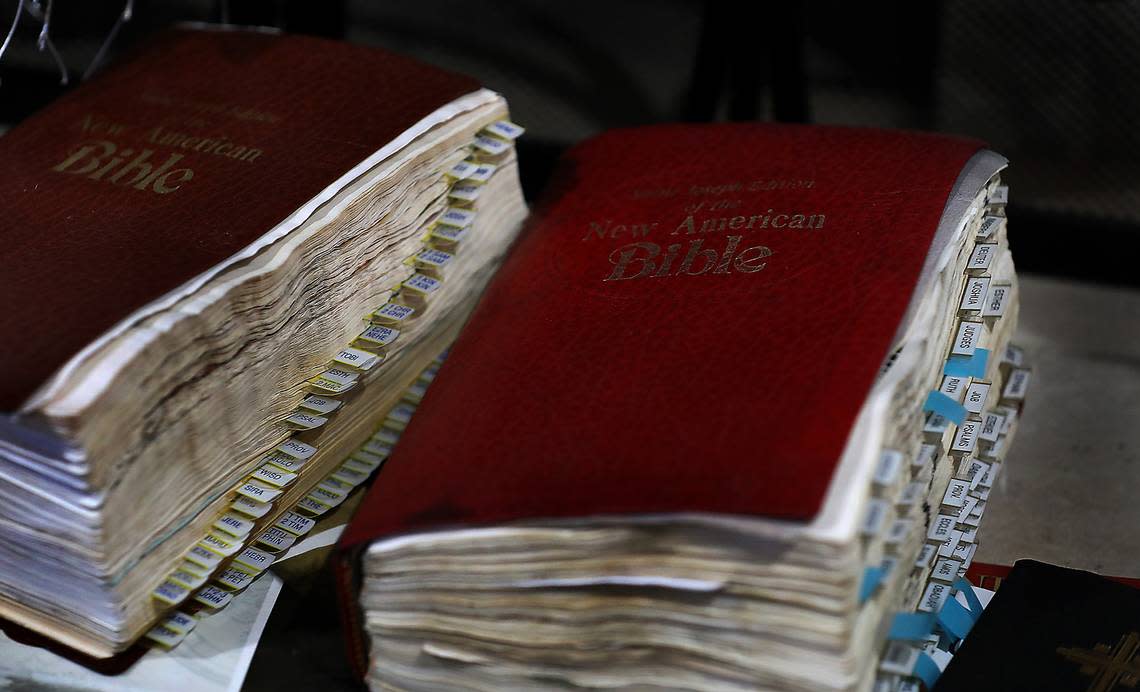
(724, 391)
(78, 252)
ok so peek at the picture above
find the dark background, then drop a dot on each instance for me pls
(1054, 86)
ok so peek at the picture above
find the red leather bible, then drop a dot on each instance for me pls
(690, 323)
(135, 183)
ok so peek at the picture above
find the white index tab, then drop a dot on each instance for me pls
(276, 539)
(940, 527)
(982, 257)
(213, 597)
(465, 192)
(379, 335)
(974, 295)
(457, 217)
(490, 145)
(392, 313)
(258, 491)
(303, 420)
(234, 524)
(890, 461)
(990, 225)
(997, 298)
(422, 283)
(505, 129)
(953, 387)
(968, 339)
(357, 358)
(274, 476)
(319, 404)
(1000, 195)
(976, 396)
(295, 523)
(254, 559)
(251, 508)
(966, 437)
(296, 448)
(1017, 385)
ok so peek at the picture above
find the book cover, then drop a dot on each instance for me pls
(690, 323)
(132, 185)
(1051, 628)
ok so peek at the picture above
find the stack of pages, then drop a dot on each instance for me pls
(228, 258)
(767, 392)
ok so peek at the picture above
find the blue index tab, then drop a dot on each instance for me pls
(955, 620)
(967, 366)
(928, 670)
(976, 607)
(872, 577)
(912, 626)
(945, 406)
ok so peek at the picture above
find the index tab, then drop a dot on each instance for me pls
(890, 461)
(1017, 385)
(340, 376)
(164, 636)
(258, 492)
(254, 559)
(875, 517)
(991, 427)
(222, 546)
(356, 358)
(976, 396)
(435, 259)
(954, 386)
(482, 172)
(449, 235)
(465, 192)
(283, 461)
(392, 313)
(301, 420)
(490, 145)
(966, 438)
(319, 404)
(296, 448)
(990, 225)
(968, 339)
(331, 385)
(934, 597)
(505, 129)
(312, 506)
(379, 335)
(170, 593)
(234, 525)
(251, 508)
(1000, 195)
(276, 539)
(946, 569)
(401, 413)
(981, 257)
(212, 597)
(457, 217)
(234, 579)
(180, 622)
(956, 492)
(184, 577)
(911, 494)
(422, 283)
(461, 170)
(997, 297)
(1013, 355)
(974, 295)
(206, 559)
(936, 424)
(274, 476)
(940, 527)
(295, 523)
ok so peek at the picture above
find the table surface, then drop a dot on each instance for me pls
(1070, 490)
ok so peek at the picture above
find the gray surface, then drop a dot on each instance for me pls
(1070, 493)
